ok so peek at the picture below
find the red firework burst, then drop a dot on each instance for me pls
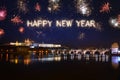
(16, 20)
(118, 19)
(21, 29)
(3, 14)
(37, 7)
(1, 32)
(105, 7)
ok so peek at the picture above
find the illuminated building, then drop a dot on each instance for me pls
(27, 42)
(31, 44)
(115, 48)
(50, 45)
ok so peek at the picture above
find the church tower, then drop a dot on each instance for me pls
(115, 48)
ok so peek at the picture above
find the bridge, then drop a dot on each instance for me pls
(80, 51)
(46, 51)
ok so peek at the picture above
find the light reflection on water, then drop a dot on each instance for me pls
(32, 58)
(27, 59)
(115, 61)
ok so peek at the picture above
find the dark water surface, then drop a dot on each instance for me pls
(80, 67)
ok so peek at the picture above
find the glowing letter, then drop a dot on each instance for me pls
(88, 24)
(39, 22)
(50, 23)
(78, 24)
(92, 22)
(82, 23)
(29, 23)
(69, 23)
(58, 23)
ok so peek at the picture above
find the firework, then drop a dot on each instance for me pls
(55, 1)
(98, 26)
(54, 5)
(37, 7)
(22, 6)
(39, 33)
(1, 32)
(3, 14)
(118, 19)
(105, 7)
(81, 36)
(21, 29)
(16, 20)
(83, 7)
(115, 22)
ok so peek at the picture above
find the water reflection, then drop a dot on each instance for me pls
(87, 57)
(57, 58)
(79, 57)
(32, 58)
(47, 59)
(27, 61)
(6, 57)
(115, 61)
(1, 57)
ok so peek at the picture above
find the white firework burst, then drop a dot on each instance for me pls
(22, 6)
(83, 7)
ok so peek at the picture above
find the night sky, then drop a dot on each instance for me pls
(76, 37)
